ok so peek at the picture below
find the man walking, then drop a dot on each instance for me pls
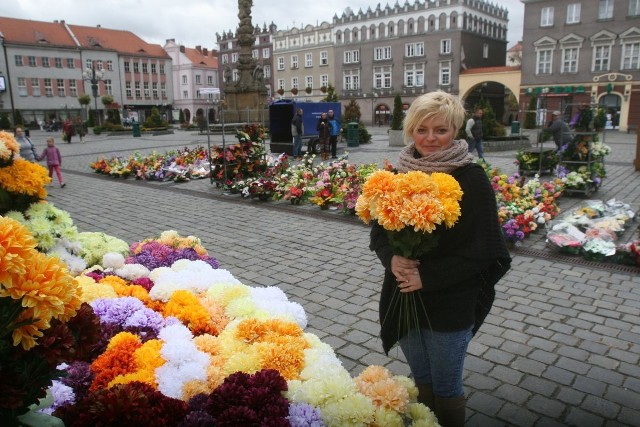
(297, 130)
(334, 132)
(474, 133)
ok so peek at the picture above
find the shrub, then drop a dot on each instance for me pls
(397, 116)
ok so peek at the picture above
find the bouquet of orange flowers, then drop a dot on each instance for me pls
(409, 206)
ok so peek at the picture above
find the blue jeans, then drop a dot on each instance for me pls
(297, 146)
(476, 144)
(437, 358)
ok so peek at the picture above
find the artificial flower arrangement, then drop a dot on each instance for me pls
(582, 162)
(531, 161)
(295, 182)
(42, 322)
(21, 183)
(9, 148)
(246, 159)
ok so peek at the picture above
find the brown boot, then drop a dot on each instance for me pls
(450, 411)
(425, 395)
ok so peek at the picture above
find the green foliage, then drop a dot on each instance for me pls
(17, 118)
(530, 115)
(600, 120)
(351, 112)
(84, 99)
(398, 113)
(331, 95)
(155, 120)
(107, 100)
(5, 123)
(181, 116)
(489, 122)
(113, 117)
(363, 134)
(91, 121)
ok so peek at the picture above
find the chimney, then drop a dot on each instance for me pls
(182, 48)
(204, 51)
(199, 48)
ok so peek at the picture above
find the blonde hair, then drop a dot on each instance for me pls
(433, 104)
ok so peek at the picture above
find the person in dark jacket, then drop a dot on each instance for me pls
(455, 281)
(324, 132)
(559, 130)
(334, 133)
(297, 130)
(474, 133)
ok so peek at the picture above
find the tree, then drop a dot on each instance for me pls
(17, 118)
(5, 123)
(351, 112)
(530, 115)
(181, 116)
(155, 120)
(331, 95)
(490, 127)
(397, 116)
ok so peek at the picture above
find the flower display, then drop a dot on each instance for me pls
(21, 184)
(167, 249)
(582, 162)
(246, 159)
(531, 161)
(9, 148)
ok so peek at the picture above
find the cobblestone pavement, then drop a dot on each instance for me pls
(560, 347)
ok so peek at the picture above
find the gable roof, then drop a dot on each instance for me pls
(24, 31)
(121, 41)
(197, 57)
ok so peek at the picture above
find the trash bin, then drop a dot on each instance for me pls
(353, 135)
(136, 129)
(515, 127)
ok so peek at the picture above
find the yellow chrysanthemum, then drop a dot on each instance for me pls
(423, 212)
(17, 247)
(248, 361)
(92, 290)
(250, 330)
(288, 359)
(8, 145)
(123, 339)
(380, 182)
(25, 177)
(207, 343)
(415, 182)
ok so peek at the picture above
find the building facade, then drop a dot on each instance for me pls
(195, 76)
(46, 64)
(578, 52)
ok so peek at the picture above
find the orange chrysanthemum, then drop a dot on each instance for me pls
(124, 289)
(25, 177)
(17, 246)
(118, 359)
(185, 306)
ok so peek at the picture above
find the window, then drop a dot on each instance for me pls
(234, 57)
(414, 75)
(147, 92)
(267, 71)
(73, 90)
(60, 85)
(225, 58)
(569, 60)
(308, 82)
(414, 49)
(127, 89)
(255, 54)
(153, 68)
(308, 60)
(185, 79)
(18, 60)
(324, 57)
(89, 63)
(136, 67)
(281, 84)
(573, 13)
(382, 77)
(99, 65)
(58, 62)
(137, 88)
(110, 66)
(126, 66)
(324, 80)
(32, 61)
(294, 61)
(209, 80)
(382, 53)
(601, 58)
(546, 17)
(351, 79)
(198, 82)
(351, 56)
(605, 11)
(230, 45)
(145, 67)
(185, 94)
(71, 63)
(45, 62)
(294, 83)
(445, 46)
(48, 88)
(485, 51)
(163, 89)
(108, 87)
(265, 52)
(161, 68)
(634, 7)
(22, 86)
(543, 61)
(235, 75)
(630, 53)
(35, 87)
(445, 73)
(280, 63)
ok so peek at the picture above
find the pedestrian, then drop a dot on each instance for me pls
(335, 129)
(324, 131)
(27, 149)
(67, 130)
(474, 133)
(79, 129)
(559, 130)
(456, 279)
(54, 160)
(297, 130)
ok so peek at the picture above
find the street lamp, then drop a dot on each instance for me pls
(94, 77)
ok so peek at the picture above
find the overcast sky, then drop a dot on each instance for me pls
(195, 22)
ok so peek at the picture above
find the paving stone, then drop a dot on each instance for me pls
(512, 394)
(517, 415)
(484, 403)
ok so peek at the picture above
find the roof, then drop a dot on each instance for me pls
(24, 31)
(124, 42)
(197, 57)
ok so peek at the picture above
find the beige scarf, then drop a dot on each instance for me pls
(454, 157)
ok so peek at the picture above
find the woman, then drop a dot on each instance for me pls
(324, 131)
(27, 149)
(456, 280)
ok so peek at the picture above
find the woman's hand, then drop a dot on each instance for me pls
(406, 272)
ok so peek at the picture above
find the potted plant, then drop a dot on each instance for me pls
(396, 134)
(294, 90)
(323, 89)
(308, 89)
(280, 91)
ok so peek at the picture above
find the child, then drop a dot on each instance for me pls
(54, 160)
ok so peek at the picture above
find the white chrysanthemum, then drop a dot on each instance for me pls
(156, 272)
(113, 260)
(175, 332)
(132, 271)
(162, 292)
